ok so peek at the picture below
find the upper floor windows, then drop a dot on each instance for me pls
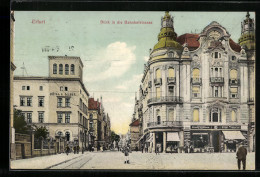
(25, 87)
(66, 69)
(59, 102)
(171, 115)
(195, 91)
(72, 69)
(41, 88)
(216, 55)
(41, 101)
(171, 72)
(29, 101)
(215, 115)
(158, 74)
(54, 68)
(29, 117)
(233, 115)
(41, 117)
(233, 92)
(195, 73)
(60, 69)
(196, 115)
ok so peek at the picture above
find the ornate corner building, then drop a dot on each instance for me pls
(198, 90)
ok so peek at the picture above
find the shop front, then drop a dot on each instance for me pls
(232, 139)
(172, 142)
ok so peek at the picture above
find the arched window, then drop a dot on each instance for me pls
(196, 115)
(171, 115)
(67, 69)
(60, 69)
(195, 73)
(233, 116)
(72, 69)
(158, 74)
(171, 72)
(67, 136)
(215, 115)
(59, 133)
(54, 68)
(233, 74)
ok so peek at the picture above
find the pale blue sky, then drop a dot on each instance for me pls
(113, 54)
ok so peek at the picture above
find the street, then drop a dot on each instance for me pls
(138, 161)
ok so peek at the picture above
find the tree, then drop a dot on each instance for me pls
(114, 137)
(41, 131)
(20, 124)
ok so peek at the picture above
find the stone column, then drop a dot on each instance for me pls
(153, 148)
(164, 141)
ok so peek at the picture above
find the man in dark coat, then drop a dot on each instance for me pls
(241, 156)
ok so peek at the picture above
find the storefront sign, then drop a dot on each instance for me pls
(215, 127)
(62, 94)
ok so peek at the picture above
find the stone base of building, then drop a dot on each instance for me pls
(12, 151)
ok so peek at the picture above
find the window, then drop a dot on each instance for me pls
(72, 70)
(158, 74)
(23, 87)
(54, 68)
(22, 101)
(66, 69)
(171, 115)
(41, 88)
(40, 116)
(215, 115)
(195, 75)
(233, 92)
(66, 88)
(233, 74)
(67, 117)
(171, 90)
(41, 101)
(59, 102)
(28, 87)
(59, 133)
(233, 58)
(216, 55)
(196, 91)
(67, 102)
(233, 116)
(171, 72)
(158, 120)
(29, 117)
(67, 134)
(196, 115)
(60, 69)
(158, 92)
(61, 88)
(29, 101)
(59, 117)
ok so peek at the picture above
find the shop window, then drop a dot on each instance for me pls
(54, 68)
(66, 69)
(196, 115)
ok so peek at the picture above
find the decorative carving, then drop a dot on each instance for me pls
(243, 52)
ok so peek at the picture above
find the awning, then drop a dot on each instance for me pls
(233, 135)
(140, 139)
(173, 136)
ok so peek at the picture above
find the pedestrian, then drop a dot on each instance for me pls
(74, 149)
(142, 148)
(136, 148)
(126, 153)
(145, 148)
(157, 149)
(67, 149)
(241, 156)
(77, 149)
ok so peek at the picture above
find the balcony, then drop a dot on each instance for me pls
(158, 81)
(171, 80)
(165, 124)
(234, 81)
(217, 80)
(165, 99)
(196, 81)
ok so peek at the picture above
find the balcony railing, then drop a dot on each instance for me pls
(217, 80)
(158, 81)
(196, 81)
(174, 99)
(165, 124)
(234, 81)
(171, 80)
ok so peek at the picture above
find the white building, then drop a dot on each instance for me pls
(195, 91)
(58, 102)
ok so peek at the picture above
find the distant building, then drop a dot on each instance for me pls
(59, 102)
(198, 89)
(134, 134)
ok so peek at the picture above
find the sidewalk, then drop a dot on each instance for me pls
(42, 162)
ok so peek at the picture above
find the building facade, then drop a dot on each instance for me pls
(134, 134)
(196, 91)
(59, 102)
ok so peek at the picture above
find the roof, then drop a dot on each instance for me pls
(135, 123)
(193, 43)
(234, 46)
(190, 39)
(92, 104)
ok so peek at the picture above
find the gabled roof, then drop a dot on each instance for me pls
(135, 123)
(92, 104)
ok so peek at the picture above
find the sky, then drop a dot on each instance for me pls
(113, 54)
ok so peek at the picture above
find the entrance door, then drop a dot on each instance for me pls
(215, 141)
(159, 140)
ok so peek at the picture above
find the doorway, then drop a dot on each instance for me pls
(159, 140)
(215, 141)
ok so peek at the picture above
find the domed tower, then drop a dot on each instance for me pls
(247, 38)
(167, 36)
